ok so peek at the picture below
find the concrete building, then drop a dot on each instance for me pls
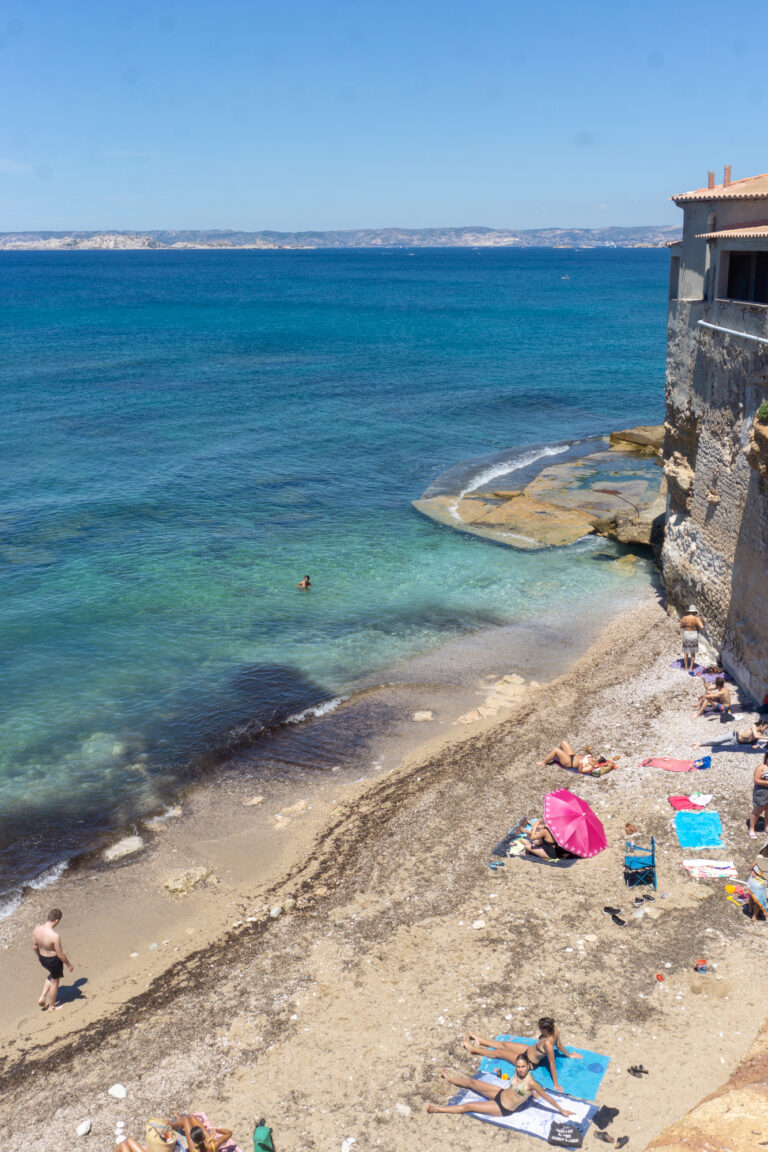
(715, 552)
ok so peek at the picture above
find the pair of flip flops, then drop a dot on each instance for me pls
(622, 1140)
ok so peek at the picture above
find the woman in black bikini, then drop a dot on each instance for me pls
(586, 765)
(546, 1046)
(498, 1101)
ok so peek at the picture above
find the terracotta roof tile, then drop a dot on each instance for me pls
(740, 232)
(750, 188)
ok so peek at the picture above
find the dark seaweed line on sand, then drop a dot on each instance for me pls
(334, 848)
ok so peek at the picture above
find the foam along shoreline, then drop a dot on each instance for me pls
(608, 487)
(378, 955)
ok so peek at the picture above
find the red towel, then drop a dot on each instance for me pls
(668, 764)
(683, 804)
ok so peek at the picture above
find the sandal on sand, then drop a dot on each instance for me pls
(622, 1140)
(618, 920)
(611, 911)
(604, 1137)
(638, 1071)
(649, 898)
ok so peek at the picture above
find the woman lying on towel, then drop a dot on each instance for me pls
(498, 1101)
(548, 1043)
(585, 765)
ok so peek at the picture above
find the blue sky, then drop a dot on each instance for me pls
(341, 114)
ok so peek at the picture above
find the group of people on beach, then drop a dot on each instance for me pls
(522, 1086)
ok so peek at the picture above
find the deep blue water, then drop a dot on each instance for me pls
(187, 434)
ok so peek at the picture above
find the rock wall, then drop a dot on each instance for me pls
(733, 1119)
(715, 553)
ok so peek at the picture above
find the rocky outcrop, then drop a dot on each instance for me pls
(756, 450)
(733, 1119)
(650, 437)
(615, 492)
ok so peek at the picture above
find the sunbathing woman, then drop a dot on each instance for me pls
(546, 1046)
(498, 1101)
(585, 765)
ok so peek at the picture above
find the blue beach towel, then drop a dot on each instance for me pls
(577, 1077)
(533, 1118)
(699, 829)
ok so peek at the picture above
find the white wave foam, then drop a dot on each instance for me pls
(503, 467)
(50, 876)
(316, 710)
(9, 902)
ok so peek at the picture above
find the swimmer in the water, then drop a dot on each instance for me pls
(305, 584)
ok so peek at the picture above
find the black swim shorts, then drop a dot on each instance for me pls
(53, 966)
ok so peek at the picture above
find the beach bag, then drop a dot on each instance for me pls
(565, 1134)
(262, 1139)
(160, 1136)
(704, 762)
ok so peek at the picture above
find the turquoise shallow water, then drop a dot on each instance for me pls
(190, 433)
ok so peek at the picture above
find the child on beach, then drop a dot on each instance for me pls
(498, 1101)
(548, 1043)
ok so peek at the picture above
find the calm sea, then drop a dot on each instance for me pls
(188, 434)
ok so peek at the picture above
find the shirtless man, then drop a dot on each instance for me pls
(718, 697)
(47, 944)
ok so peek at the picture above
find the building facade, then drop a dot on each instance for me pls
(715, 552)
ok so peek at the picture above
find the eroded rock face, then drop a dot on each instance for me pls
(735, 1118)
(756, 450)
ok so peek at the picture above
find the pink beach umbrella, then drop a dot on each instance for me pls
(573, 823)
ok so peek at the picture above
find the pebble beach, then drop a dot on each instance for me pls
(333, 1015)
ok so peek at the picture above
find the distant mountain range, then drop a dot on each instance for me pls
(644, 237)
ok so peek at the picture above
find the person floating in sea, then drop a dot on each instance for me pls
(305, 584)
(690, 626)
(46, 942)
(586, 765)
(718, 698)
(498, 1101)
(548, 1043)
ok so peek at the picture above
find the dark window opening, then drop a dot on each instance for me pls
(748, 277)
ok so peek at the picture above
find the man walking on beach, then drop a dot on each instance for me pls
(47, 944)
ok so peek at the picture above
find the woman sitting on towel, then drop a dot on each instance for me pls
(585, 765)
(540, 842)
(758, 884)
(498, 1101)
(546, 1046)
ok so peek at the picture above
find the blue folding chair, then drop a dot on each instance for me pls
(639, 864)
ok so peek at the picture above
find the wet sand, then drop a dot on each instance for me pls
(343, 1007)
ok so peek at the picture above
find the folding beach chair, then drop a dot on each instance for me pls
(639, 864)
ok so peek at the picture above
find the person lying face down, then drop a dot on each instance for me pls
(585, 764)
(498, 1101)
(718, 697)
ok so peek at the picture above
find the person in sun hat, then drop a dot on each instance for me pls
(159, 1135)
(758, 884)
(690, 626)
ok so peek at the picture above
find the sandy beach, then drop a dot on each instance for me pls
(334, 1017)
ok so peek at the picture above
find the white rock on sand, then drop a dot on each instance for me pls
(293, 809)
(84, 1128)
(254, 800)
(423, 716)
(182, 883)
(119, 1091)
(125, 847)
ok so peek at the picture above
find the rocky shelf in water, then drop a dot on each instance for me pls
(613, 492)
